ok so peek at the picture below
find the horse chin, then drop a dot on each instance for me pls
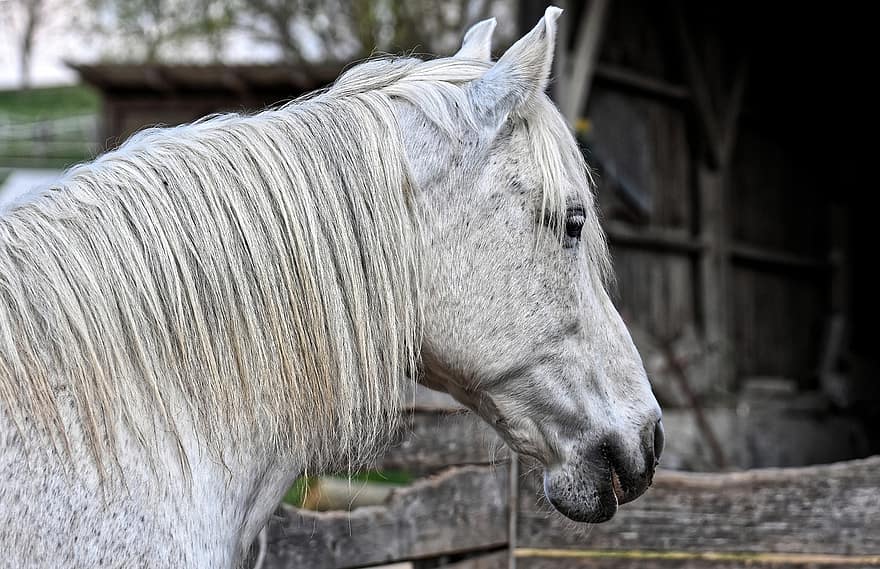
(583, 496)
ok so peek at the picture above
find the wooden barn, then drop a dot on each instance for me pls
(728, 143)
(725, 139)
(137, 95)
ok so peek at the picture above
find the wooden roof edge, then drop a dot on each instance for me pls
(175, 77)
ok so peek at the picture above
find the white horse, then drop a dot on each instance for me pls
(190, 322)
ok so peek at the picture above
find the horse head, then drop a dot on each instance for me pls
(518, 323)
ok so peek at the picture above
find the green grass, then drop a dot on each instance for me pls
(51, 162)
(58, 149)
(297, 492)
(48, 102)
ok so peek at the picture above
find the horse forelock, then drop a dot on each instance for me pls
(566, 180)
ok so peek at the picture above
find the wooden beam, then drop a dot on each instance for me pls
(818, 510)
(715, 274)
(534, 558)
(513, 485)
(234, 82)
(840, 261)
(461, 510)
(155, 78)
(719, 120)
(496, 560)
(666, 240)
(584, 59)
(638, 81)
(731, 114)
(750, 254)
(698, 84)
(560, 84)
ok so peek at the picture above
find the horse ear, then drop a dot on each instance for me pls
(522, 72)
(477, 42)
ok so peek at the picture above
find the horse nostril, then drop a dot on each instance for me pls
(658, 441)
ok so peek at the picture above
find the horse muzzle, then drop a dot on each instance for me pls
(597, 478)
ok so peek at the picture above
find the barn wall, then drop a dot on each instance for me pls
(644, 139)
(646, 143)
(640, 152)
(779, 204)
(125, 113)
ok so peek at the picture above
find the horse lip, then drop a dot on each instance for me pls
(603, 511)
(623, 494)
(617, 487)
(627, 489)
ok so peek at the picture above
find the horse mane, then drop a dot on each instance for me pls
(260, 270)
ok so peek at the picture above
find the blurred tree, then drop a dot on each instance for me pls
(336, 31)
(22, 20)
(302, 31)
(153, 30)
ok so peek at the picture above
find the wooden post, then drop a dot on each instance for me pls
(718, 121)
(584, 59)
(559, 85)
(513, 508)
(840, 387)
(840, 264)
(714, 264)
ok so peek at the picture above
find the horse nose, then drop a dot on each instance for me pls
(659, 441)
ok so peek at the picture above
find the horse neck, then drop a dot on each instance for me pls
(222, 496)
(205, 513)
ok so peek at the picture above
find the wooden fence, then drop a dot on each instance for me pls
(475, 508)
(48, 143)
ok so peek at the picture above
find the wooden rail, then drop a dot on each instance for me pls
(631, 79)
(826, 515)
(681, 242)
(460, 510)
(819, 516)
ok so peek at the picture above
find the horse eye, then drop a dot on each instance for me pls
(574, 223)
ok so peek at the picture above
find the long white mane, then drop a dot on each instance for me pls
(259, 270)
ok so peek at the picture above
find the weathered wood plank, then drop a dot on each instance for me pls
(637, 38)
(830, 509)
(761, 256)
(715, 272)
(547, 559)
(497, 560)
(642, 152)
(655, 239)
(620, 76)
(655, 293)
(698, 84)
(462, 509)
(431, 441)
(584, 59)
(777, 324)
(678, 241)
(779, 204)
